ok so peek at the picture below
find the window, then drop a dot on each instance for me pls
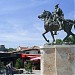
(27, 52)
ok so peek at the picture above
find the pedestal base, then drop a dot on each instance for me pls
(58, 60)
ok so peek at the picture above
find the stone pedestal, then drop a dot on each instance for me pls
(58, 60)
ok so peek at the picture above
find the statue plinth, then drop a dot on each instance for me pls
(57, 60)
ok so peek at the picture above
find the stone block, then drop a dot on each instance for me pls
(58, 60)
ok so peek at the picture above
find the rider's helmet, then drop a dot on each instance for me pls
(56, 6)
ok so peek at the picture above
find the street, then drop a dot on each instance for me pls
(35, 72)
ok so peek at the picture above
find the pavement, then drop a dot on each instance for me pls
(35, 72)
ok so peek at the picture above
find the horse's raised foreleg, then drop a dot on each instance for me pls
(52, 36)
(44, 36)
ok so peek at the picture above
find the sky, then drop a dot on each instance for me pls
(19, 23)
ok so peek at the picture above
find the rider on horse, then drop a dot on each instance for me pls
(52, 23)
(58, 16)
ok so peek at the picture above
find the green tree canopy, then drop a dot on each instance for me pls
(71, 40)
(59, 41)
(11, 49)
(19, 63)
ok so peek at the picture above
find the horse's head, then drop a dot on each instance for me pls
(44, 14)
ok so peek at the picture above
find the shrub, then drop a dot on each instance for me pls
(18, 64)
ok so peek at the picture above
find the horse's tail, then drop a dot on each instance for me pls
(74, 23)
(74, 26)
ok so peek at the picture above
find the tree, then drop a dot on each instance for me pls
(18, 63)
(71, 40)
(59, 41)
(28, 66)
(11, 49)
(1, 64)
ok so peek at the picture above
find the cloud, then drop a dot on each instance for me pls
(39, 26)
(14, 6)
(20, 37)
(17, 32)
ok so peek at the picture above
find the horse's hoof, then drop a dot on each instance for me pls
(53, 41)
(48, 41)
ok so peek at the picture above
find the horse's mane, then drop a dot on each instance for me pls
(49, 14)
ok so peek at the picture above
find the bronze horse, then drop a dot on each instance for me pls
(53, 26)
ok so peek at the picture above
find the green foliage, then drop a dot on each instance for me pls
(19, 63)
(28, 66)
(1, 64)
(59, 41)
(11, 49)
(71, 40)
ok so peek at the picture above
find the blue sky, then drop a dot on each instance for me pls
(19, 23)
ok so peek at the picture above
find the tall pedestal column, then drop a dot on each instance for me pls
(58, 60)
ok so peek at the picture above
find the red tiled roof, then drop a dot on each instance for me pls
(35, 47)
(24, 48)
(27, 48)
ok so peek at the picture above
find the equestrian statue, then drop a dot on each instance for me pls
(55, 21)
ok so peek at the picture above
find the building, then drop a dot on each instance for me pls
(2, 48)
(27, 50)
(25, 53)
(30, 53)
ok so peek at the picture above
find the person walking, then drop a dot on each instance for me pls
(9, 69)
